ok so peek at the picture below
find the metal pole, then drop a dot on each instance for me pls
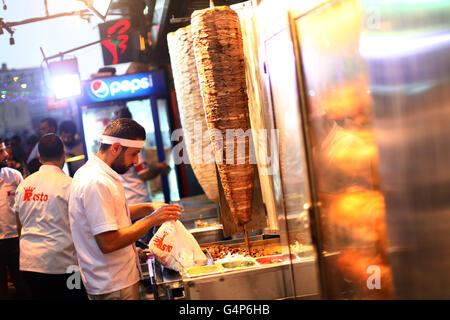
(160, 147)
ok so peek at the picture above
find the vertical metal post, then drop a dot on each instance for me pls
(160, 147)
(313, 210)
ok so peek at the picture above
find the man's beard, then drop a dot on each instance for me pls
(71, 143)
(3, 164)
(119, 166)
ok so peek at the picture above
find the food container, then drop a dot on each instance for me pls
(203, 270)
(239, 263)
(280, 258)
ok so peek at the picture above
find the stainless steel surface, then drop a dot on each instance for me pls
(208, 234)
(197, 208)
(337, 112)
(238, 239)
(262, 282)
(278, 69)
(408, 58)
(167, 283)
(266, 282)
(256, 283)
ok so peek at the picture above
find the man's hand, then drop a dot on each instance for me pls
(110, 241)
(141, 254)
(157, 205)
(165, 212)
(163, 168)
(154, 170)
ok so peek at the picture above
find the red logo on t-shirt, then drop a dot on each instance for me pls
(29, 196)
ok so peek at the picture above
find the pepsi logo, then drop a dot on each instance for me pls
(120, 87)
(99, 88)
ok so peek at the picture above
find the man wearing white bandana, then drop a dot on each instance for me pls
(135, 180)
(100, 219)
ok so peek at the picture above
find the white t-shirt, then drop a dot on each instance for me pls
(136, 190)
(46, 244)
(9, 181)
(97, 204)
(34, 153)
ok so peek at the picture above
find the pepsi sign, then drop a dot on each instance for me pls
(127, 87)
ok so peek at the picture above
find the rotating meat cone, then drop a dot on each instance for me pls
(192, 114)
(219, 56)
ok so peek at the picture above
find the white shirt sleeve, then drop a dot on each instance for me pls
(100, 209)
(34, 153)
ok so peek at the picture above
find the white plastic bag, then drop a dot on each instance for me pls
(175, 247)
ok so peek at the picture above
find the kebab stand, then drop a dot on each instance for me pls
(271, 256)
(347, 108)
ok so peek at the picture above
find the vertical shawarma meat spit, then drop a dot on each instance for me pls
(219, 56)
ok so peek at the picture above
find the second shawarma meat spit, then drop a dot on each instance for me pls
(192, 114)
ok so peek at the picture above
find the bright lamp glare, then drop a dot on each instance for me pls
(66, 85)
(101, 6)
(65, 78)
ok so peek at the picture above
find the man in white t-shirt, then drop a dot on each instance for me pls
(135, 179)
(9, 234)
(100, 218)
(47, 253)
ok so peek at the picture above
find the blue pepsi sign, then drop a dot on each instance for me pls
(127, 87)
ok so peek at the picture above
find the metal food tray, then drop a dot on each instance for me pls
(265, 282)
(208, 234)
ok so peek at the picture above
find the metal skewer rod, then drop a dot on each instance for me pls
(247, 242)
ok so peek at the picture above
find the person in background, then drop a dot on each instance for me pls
(31, 143)
(72, 144)
(47, 253)
(100, 219)
(47, 125)
(18, 155)
(9, 231)
(135, 179)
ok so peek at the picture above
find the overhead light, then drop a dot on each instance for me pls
(65, 79)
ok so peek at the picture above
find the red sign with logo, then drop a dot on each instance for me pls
(122, 46)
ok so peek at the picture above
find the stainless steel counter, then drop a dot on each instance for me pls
(253, 283)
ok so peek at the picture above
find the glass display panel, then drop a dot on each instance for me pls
(293, 218)
(166, 133)
(286, 114)
(344, 153)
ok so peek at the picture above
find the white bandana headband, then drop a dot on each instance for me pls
(2, 146)
(123, 142)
